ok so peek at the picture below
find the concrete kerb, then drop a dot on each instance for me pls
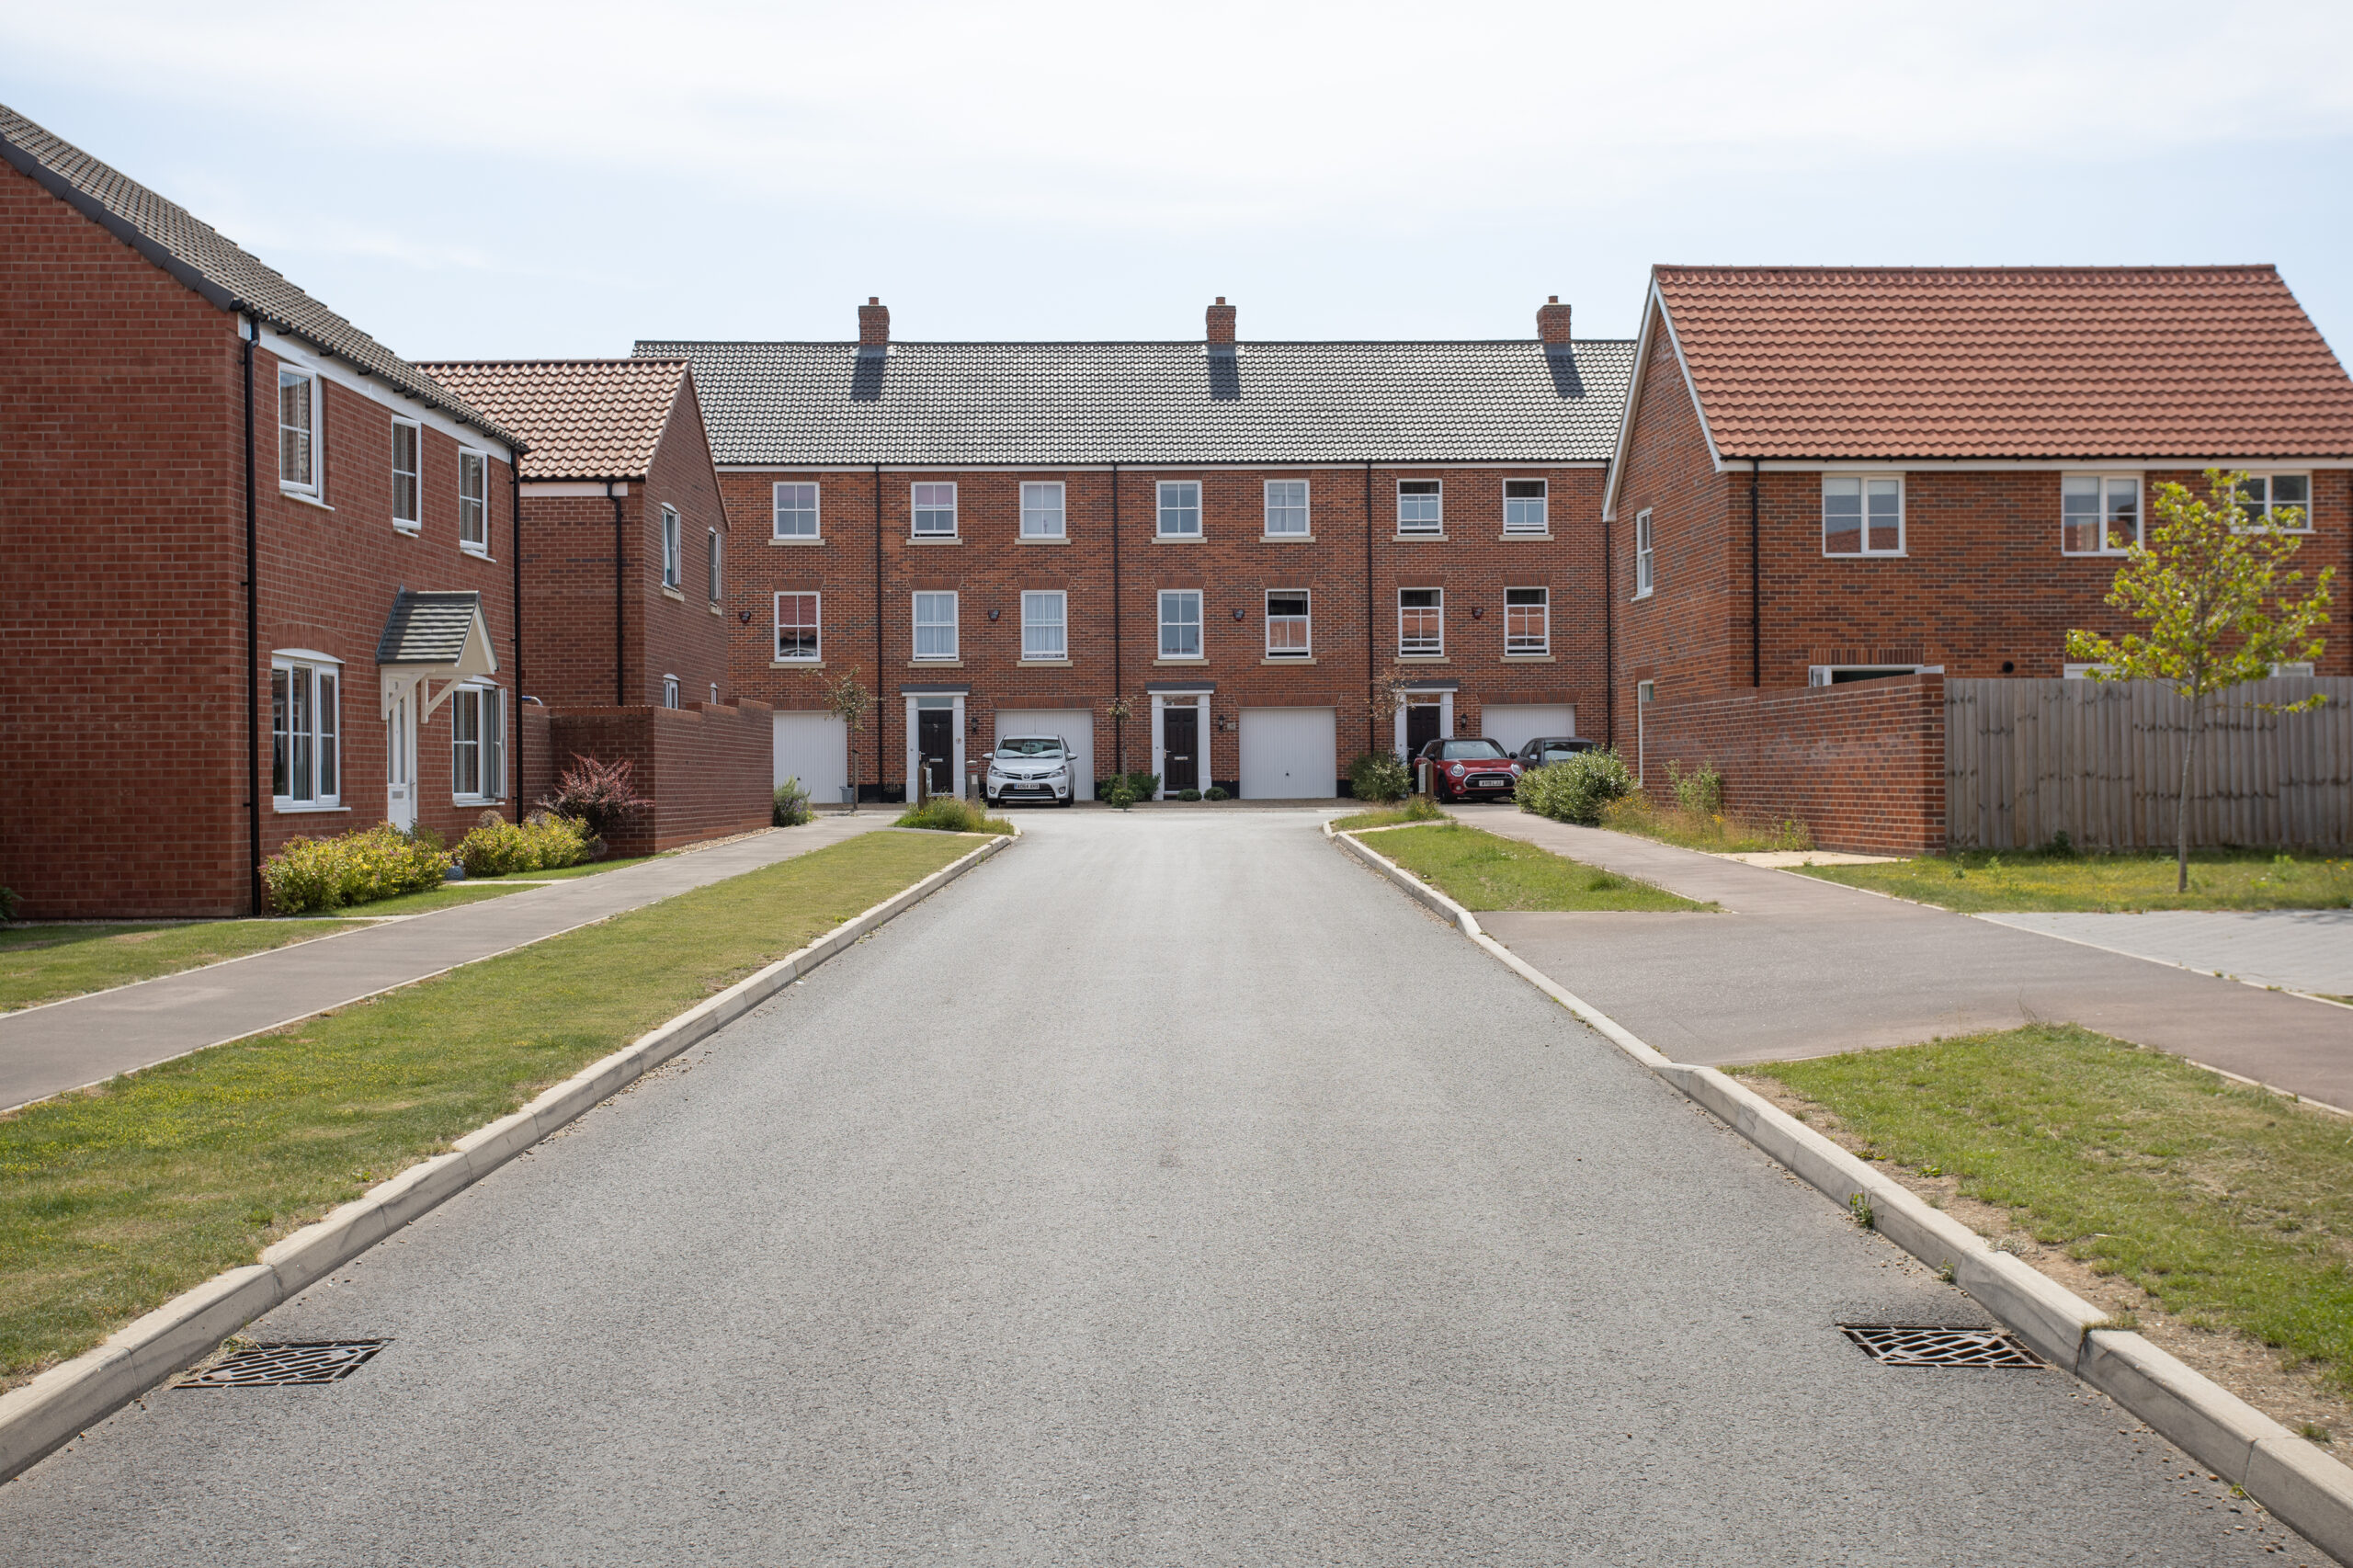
(2306, 1489)
(59, 1404)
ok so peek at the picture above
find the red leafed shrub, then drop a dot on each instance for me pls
(602, 794)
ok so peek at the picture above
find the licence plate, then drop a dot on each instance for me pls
(1489, 781)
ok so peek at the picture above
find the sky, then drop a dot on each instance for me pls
(527, 179)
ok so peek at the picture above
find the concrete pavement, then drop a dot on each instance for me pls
(1797, 967)
(2302, 950)
(1170, 1192)
(47, 1050)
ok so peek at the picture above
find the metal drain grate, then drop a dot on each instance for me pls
(285, 1366)
(1938, 1345)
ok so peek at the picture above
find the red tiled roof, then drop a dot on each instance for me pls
(2007, 362)
(583, 418)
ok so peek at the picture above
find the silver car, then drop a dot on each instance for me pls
(1030, 767)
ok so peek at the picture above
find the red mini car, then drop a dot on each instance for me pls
(1470, 769)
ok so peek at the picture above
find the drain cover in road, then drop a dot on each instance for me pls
(283, 1366)
(1937, 1345)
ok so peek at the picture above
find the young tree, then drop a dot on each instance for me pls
(849, 702)
(2220, 607)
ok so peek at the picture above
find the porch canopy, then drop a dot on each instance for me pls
(432, 637)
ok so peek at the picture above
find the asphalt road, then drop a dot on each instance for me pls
(1168, 1191)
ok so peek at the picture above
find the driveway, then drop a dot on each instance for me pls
(1170, 1191)
(1797, 967)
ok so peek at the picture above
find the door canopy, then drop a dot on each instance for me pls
(432, 637)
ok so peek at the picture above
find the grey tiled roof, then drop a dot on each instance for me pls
(427, 628)
(953, 404)
(208, 261)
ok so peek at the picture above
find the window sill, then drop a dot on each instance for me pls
(1507, 537)
(2083, 554)
(934, 663)
(1643, 594)
(1865, 554)
(1191, 661)
(1530, 658)
(1420, 539)
(669, 593)
(1270, 659)
(410, 529)
(1041, 664)
(1424, 659)
(1286, 539)
(796, 664)
(715, 609)
(287, 494)
(470, 802)
(1177, 539)
(935, 538)
(1043, 539)
(796, 539)
(477, 552)
(299, 809)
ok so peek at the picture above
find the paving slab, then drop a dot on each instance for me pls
(2301, 950)
(47, 1050)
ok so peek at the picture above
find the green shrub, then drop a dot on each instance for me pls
(1379, 775)
(1699, 791)
(8, 902)
(1576, 789)
(1120, 790)
(1189, 794)
(1215, 792)
(947, 813)
(792, 805)
(497, 847)
(353, 868)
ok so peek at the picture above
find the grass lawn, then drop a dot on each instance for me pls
(2232, 1206)
(2025, 880)
(48, 963)
(1480, 871)
(1717, 832)
(116, 1199)
(1418, 808)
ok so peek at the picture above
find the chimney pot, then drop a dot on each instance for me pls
(873, 323)
(1220, 321)
(1552, 323)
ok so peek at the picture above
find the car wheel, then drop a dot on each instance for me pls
(1068, 800)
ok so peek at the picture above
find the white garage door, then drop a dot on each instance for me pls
(1514, 727)
(1289, 754)
(1075, 725)
(813, 748)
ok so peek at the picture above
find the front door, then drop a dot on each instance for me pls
(935, 753)
(1180, 733)
(1422, 722)
(400, 766)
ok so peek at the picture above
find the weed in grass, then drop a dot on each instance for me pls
(1944, 1271)
(1716, 831)
(1420, 808)
(1480, 871)
(2314, 1432)
(2118, 1322)
(946, 814)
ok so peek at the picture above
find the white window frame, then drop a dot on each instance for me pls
(817, 622)
(716, 564)
(413, 520)
(321, 787)
(921, 506)
(1044, 509)
(2270, 478)
(2105, 482)
(1827, 674)
(1438, 652)
(1432, 527)
(778, 510)
(2083, 672)
(312, 407)
(474, 511)
(673, 568)
(954, 602)
(1199, 623)
(487, 747)
(670, 691)
(1306, 619)
(1645, 558)
(1305, 509)
(1058, 625)
(1544, 603)
(1179, 507)
(1543, 502)
(1863, 481)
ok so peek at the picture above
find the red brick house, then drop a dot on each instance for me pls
(288, 605)
(1238, 538)
(1830, 475)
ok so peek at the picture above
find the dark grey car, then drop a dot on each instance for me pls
(1546, 749)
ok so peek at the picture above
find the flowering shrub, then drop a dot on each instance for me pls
(353, 868)
(541, 843)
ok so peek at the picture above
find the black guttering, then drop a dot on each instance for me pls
(514, 515)
(1118, 669)
(254, 685)
(621, 597)
(879, 795)
(1372, 661)
(1755, 589)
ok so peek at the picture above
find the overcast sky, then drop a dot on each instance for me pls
(507, 179)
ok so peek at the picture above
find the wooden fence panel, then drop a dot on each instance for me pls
(2025, 760)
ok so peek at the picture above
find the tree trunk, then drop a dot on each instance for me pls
(2181, 798)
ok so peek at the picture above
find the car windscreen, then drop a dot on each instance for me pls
(1029, 745)
(1471, 751)
(1550, 749)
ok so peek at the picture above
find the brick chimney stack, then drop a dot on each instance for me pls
(873, 324)
(1552, 323)
(1222, 323)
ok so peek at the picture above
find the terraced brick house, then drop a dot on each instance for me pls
(1235, 539)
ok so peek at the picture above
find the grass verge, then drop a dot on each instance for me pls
(1480, 871)
(115, 1199)
(946, 814)
(1421, 808)
(2231, 1206)
(49, 963)
(1718, 833)
(2028, 880)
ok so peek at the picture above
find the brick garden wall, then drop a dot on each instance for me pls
(706, 765)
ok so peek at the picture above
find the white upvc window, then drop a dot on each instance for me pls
(936, 625)
(1645, 561)
(473, 501)
(298, 430)
(1421, 506)
(1845, 675)
(1527, 506)
(2099, 514)
(795, 511)
(2265, 498)
(935, 510)
(671, 549)
(1420, 622)
(1288, 628)
(305, 725)
(1528, 620)
(799, 627)
(1181, 508)
(1862, 513)
(478, 743)
(1181, 623)
(1286, 508)
(408, 441)
(669, 691)
(1045, 625)
(1042, 510)
(712, 561)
